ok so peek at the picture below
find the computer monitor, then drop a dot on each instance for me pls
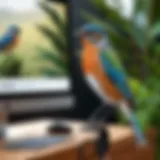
(34, 51)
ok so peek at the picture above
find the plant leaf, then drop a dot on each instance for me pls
(55, 39)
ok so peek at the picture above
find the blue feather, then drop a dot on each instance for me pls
(5, 41)
(116, 75)
(9, 36)
(140, 137)
(93, 28)
(136, 127)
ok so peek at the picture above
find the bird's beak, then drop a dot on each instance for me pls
(78, 32)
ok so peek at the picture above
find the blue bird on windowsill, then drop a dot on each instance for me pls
(10, 39)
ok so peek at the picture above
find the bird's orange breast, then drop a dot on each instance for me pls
(89, 58)
(91, 65)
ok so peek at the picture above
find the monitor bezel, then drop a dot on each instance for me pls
(45, 93)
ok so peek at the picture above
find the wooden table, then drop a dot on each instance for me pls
(79, 146)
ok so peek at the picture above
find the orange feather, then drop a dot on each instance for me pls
(91, 65)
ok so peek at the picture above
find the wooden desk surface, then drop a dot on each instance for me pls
(78, 137)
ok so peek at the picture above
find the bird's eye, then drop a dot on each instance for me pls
(89, 34)
(94, 37)
(97, 36)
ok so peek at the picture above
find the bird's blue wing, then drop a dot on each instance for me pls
(112, 67)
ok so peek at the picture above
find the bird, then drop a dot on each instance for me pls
(105, 74)
(9, 40)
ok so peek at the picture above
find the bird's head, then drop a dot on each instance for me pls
(93, 34)
(14, 30)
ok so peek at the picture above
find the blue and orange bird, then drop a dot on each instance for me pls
(10, 39)
(105, 75)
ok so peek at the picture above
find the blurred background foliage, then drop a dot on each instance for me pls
(58, 55)
(136, 38)
(10, 66)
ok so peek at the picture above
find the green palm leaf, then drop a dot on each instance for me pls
(52, 58)
(55, 39)
(112, 15)
(54, 16)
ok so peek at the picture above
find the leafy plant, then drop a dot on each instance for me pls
(58, 55)
(10, 66)
(147, 100)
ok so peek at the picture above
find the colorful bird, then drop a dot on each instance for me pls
(10, 39)
(105, 75)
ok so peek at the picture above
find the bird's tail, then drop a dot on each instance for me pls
(140, 137)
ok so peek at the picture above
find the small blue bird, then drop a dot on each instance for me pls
(10, 39)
